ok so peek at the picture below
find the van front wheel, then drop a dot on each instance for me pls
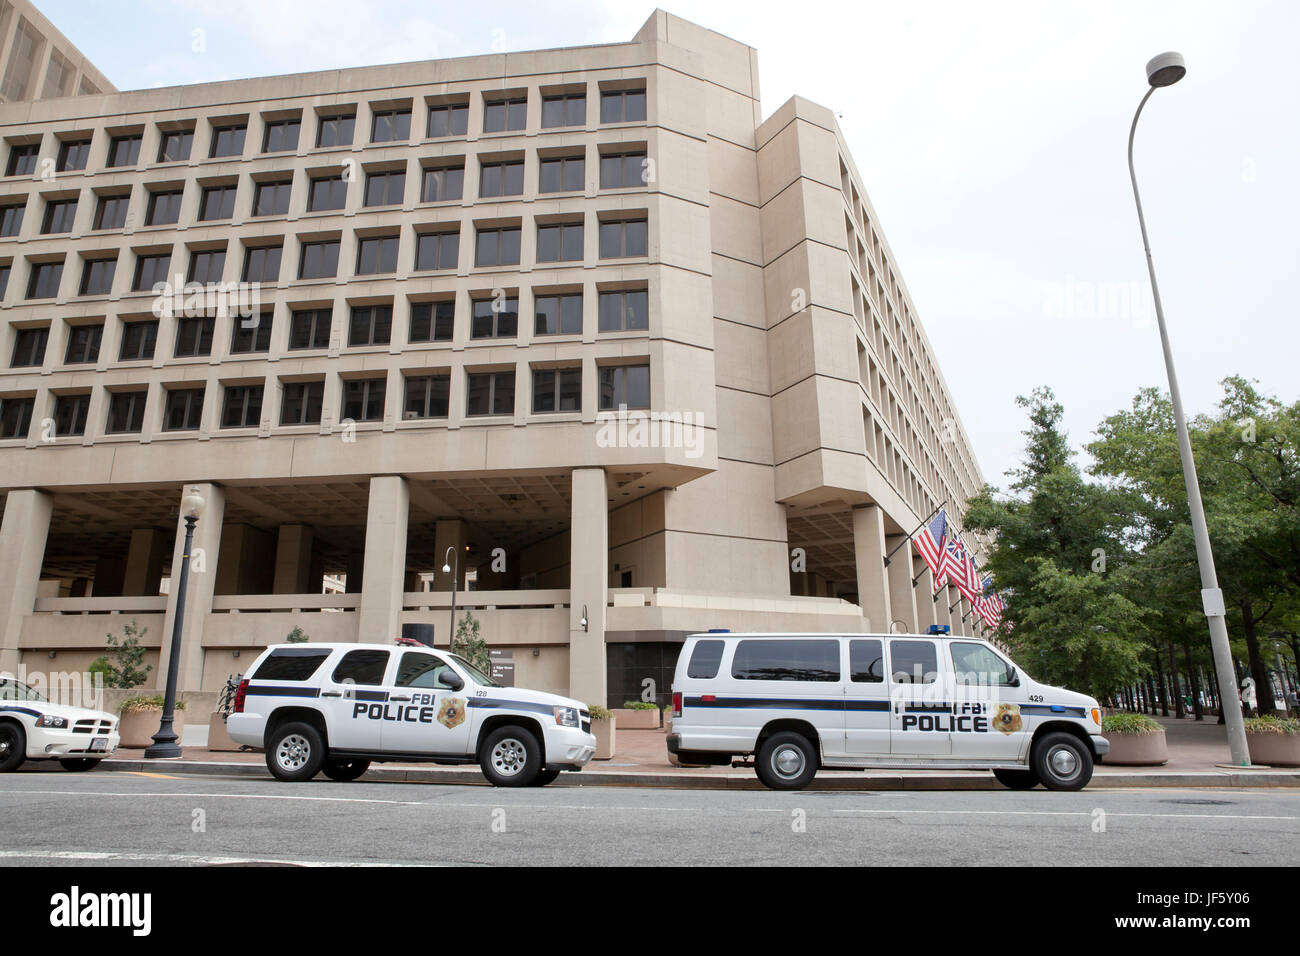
(1062, 762)
(786, 761)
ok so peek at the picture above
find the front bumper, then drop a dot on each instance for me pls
(1100, 745)
(569, 747)
(53, 743)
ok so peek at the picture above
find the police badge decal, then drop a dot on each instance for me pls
(1007, 718)
(451, 713)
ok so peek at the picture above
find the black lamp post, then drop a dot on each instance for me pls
(164, 742)
(452, 565)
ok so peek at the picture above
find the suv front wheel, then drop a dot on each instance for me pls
(510, 757)
(295, 752)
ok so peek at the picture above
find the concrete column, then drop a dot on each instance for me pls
(23, 530)
(941, 613)
(385, 567)
(869, 551)
(902, 599)
(293, 559)
(204, 556)
(144, 562)
(924, 594)
(355, 573)
(110, 575)
(588, 585)
(449, 533)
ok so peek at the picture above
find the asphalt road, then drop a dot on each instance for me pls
(116, 819)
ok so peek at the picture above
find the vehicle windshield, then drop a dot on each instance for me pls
(11, 689)
(478, 676)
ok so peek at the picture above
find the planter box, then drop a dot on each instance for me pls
(1137, 750)
(604, 733)
(137, 729)
(668, 720)
(1274, 750)
(218, 738)
(630, 719)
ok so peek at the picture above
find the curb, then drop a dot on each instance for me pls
(912, 780)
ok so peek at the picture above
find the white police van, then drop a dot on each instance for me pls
(337, 707)
(791, 704)
(33, 728)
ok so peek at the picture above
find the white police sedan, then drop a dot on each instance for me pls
(33, 728)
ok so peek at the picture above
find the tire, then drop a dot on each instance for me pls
(544, 777)
(77, 764)
(13, 746)
(786, 761)
(344, 771)
(510, 757)
(1062, 762)
(295, 752)
(1017, 779)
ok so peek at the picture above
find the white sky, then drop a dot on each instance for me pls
(991, 138)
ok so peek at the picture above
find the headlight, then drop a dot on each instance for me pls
(49, 720)
(566, 716)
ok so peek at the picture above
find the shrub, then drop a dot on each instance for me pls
(296, 636)
(144, 702)
(1269, 724)
(599, 713)
(125, 658)
(1135, 724)
(640, 705)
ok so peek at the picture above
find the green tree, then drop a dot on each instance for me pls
(469, 645)
(296, 636)
(125, 658)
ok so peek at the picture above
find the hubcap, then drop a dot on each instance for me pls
(293, 752)
(1063, 761)
(509, 757)
(788, 761)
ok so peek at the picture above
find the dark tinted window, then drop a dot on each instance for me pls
(420, 670)
(705, 660)
(292, 663)
(866, 662)
(362, 667)
(913, 662)
(787, 660)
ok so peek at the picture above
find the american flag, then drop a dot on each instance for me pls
(929, 543)
(958, 569)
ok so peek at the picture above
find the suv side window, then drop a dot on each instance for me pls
(787, 660)
(977, 664)
(361, 667)
(420, 670)
(705, 660)
(914, 662)
(291, 663)
(866, 662)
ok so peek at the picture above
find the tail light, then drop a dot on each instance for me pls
(677, 703)
(240, 692)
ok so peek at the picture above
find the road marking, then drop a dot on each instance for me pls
(156, 776)
(1072, 813)
(117, 857)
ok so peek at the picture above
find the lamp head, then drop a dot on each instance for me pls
(192, 504)
(1166, 69)
(446, 569)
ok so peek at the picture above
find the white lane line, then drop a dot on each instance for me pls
(1074, 813)
(95, 856)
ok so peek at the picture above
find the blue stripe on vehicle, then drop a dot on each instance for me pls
(790, 703)
(1051, 710)
(274, 690)
(490, 703)
(22, 710)
(371, 695)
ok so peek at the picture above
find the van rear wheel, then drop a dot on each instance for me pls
(1063, 762)
(786, 761)
(1017, 779)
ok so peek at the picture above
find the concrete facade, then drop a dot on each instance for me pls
(729, 422)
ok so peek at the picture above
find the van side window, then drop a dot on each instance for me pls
(914, 662)
(420, 670)
(361, 667)
(976, 664)
(291, 663)
(705, 660)
(787, 660)
(866, 662)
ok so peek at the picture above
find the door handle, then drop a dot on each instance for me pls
(399, 698)
(330, 693)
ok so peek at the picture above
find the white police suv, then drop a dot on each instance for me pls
(33, 728)
(335, 708)
(788, 704)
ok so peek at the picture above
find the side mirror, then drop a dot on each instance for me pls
(451, 680)
(1013, 679)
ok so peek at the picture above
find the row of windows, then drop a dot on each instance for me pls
(388, 124)
(432, 321)
(444, 181)
(319, 258)
(425, 395)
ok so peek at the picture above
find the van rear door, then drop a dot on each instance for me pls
(919, 711)
(866, 697)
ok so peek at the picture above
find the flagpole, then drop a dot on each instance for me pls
(890, 555)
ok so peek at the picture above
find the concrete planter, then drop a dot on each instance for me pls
(1274, 750)
(604, 733)
(1137, 750)
(630, 719)
(218, 738)
(138, 727)
(668, 720)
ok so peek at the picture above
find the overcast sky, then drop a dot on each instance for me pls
(991, 137)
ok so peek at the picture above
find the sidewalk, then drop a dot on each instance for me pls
(1195, 752)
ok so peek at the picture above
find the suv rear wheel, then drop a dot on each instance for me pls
(1062, 761)
(545, 776)
(786, 761)
(344, 770)
(510, 757)
(1017, 779)
(295, 752)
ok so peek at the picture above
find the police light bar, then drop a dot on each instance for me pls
(719, 630)
(940, 629)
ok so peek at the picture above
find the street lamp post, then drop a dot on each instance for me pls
(452, 565)
(1166, 70)
(164, 741)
